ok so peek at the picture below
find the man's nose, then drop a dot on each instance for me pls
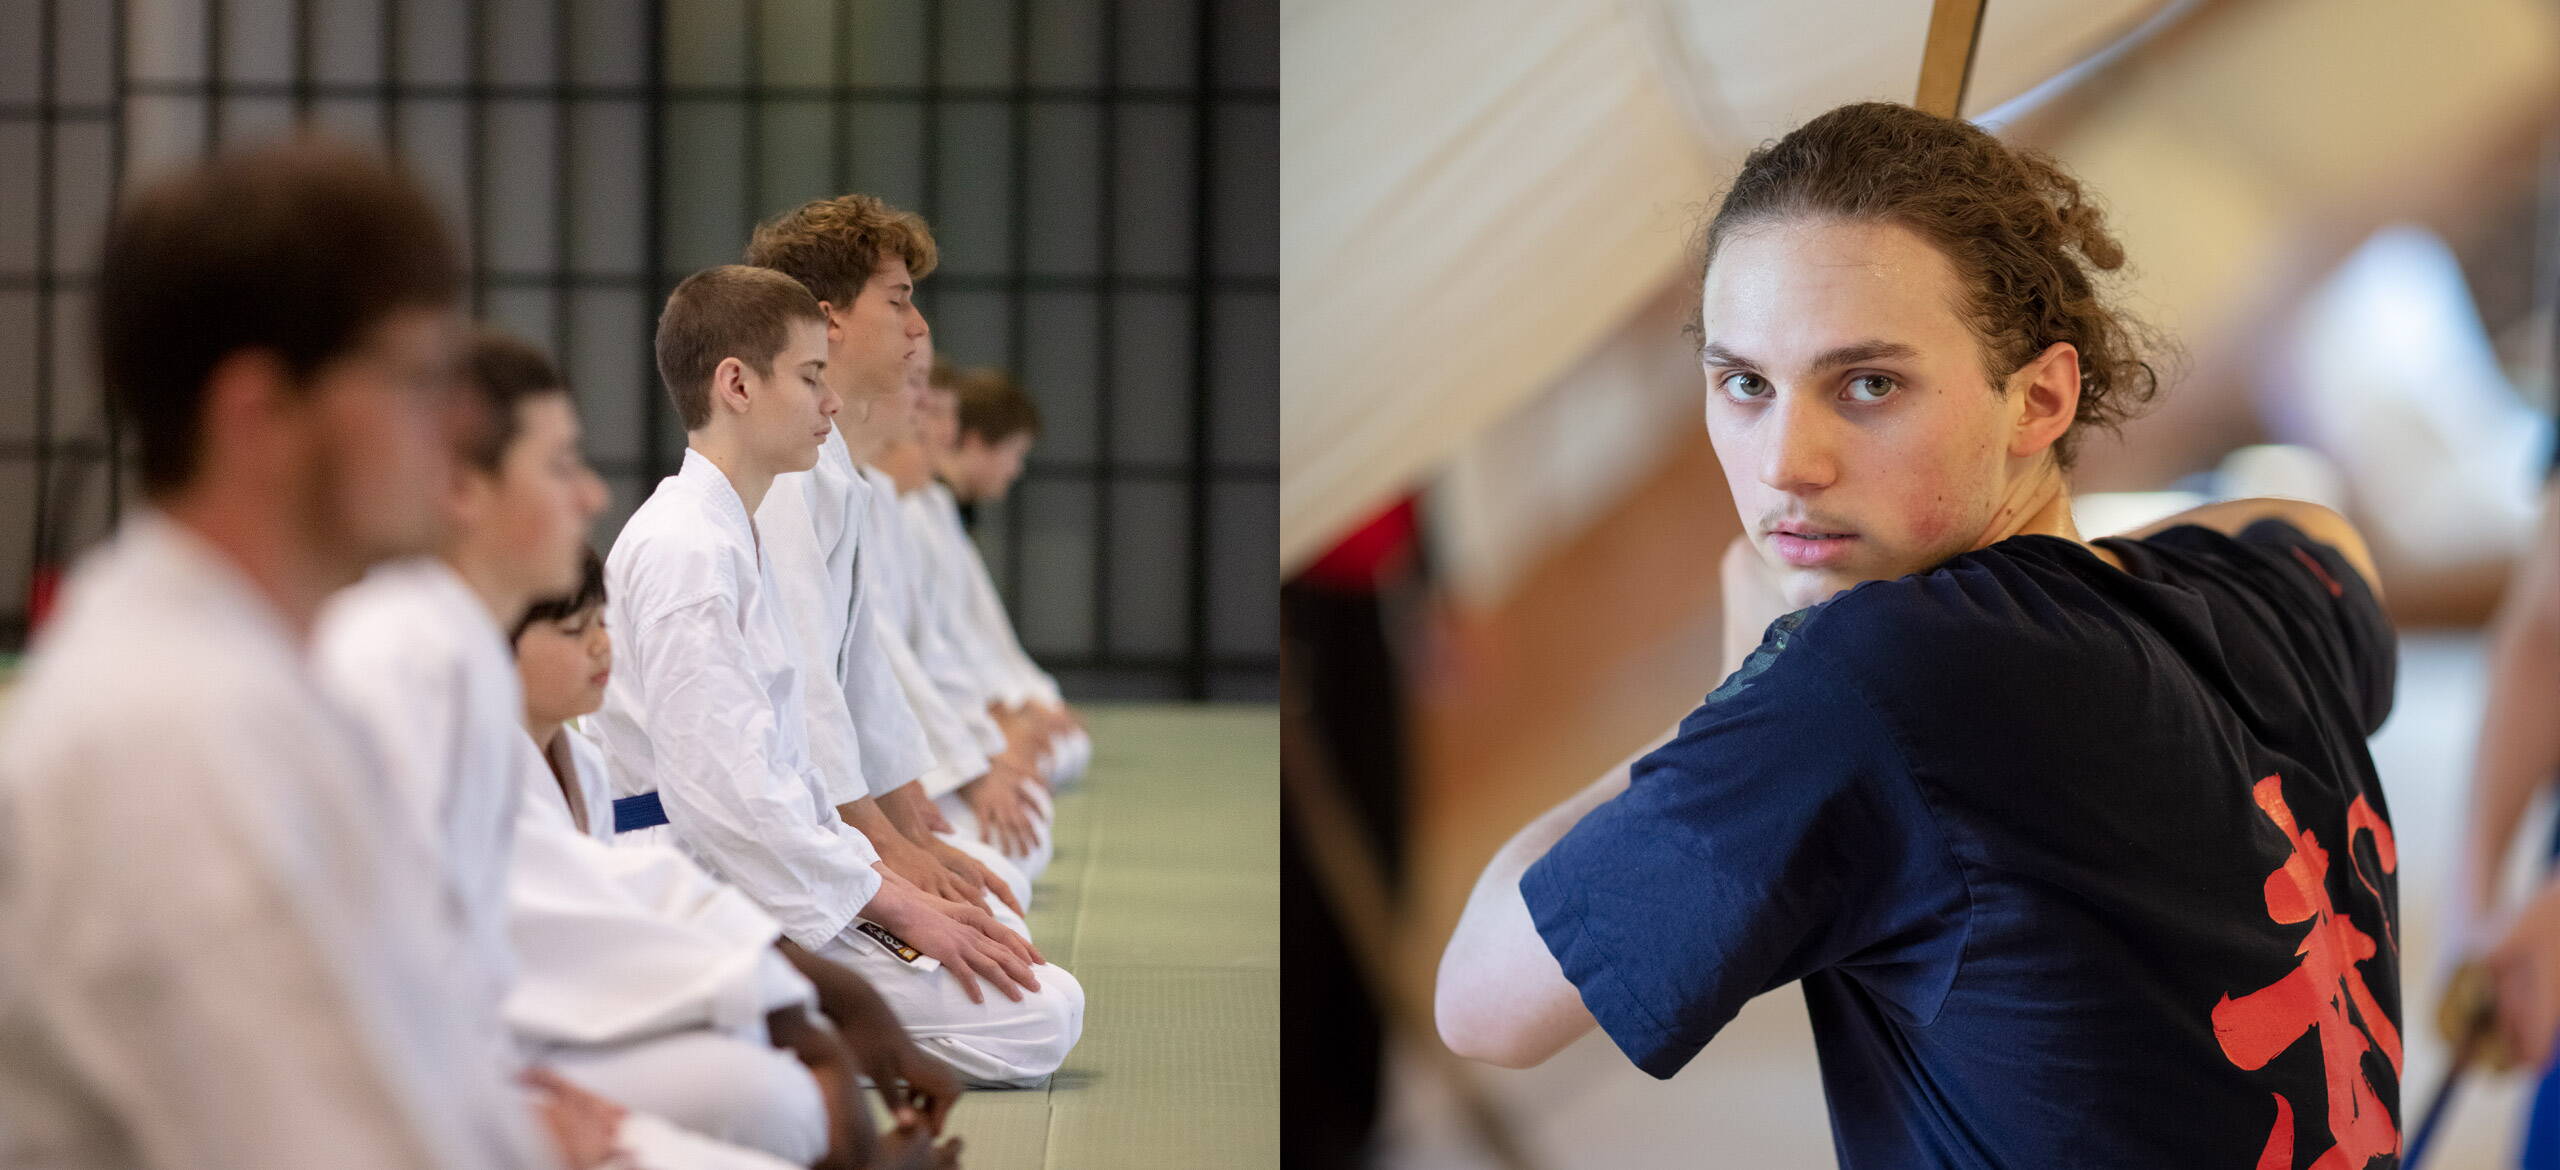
(1797, 454)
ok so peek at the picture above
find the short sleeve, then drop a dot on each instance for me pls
(1776, 835)
(2322, 603)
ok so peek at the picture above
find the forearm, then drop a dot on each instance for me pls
(911, 811)
(866, 817)
(1502, 998)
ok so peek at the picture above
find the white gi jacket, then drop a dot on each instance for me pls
(944, 661)
(863, 734)
(979, 608)
(972, 611)
(215, 949)
(616, 944)
(414, 654)
(705, 709)
(959, 734)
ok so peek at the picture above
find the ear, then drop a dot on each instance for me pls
(473, 497)
(244, 396)
(2047, 391)
(835, 332)
(729, 385)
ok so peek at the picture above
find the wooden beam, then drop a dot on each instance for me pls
(1946, 61)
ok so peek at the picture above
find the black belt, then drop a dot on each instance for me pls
(633, 813)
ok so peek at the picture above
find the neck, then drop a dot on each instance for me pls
(2038, 505)
(749, 478)
(505, 601)
(274, 550)
(544, 732)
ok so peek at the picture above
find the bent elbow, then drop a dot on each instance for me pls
(1478, 1030)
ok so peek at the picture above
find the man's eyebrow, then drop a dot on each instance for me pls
(1855, 353)
(1862, 352)
(1716, 354)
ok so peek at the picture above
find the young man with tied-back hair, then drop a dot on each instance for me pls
(2074, 845)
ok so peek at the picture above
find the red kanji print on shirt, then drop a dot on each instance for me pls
(2326, 994)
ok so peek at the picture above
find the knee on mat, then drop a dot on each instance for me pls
(1032, 1044)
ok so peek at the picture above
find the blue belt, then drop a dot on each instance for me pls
(633, 813)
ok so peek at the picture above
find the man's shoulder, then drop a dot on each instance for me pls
(675, 548)
(1976, 628)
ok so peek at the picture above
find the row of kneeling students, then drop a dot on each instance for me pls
(354, 812)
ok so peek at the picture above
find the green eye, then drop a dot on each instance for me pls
(1871, 388)
(1743, 387)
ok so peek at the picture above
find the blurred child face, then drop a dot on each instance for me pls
(533, 513)
(938, 423)
(981, 470)
(379, 429)
(563, 665)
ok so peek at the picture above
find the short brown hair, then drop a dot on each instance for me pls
(298, 249)
(506, 371)
(2025, 239)
(993, 405)
(733, 311)
(834, 245)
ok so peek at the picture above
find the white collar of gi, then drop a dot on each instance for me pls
(707, 478)
(183, 564)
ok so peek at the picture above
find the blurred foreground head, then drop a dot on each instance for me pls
(277, 325)
(1903, 334)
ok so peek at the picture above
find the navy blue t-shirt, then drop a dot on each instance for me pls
(2078, 866)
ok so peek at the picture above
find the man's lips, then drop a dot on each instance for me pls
(1806, 547)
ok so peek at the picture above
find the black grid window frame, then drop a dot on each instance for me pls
(416, 110)
(60, 469)
(213, 99)
(1102, 662)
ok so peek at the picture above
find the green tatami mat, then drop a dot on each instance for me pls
(1164, 902)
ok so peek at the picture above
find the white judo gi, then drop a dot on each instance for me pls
(215, 949)
(973, 615)
(417, 657)
(943, 679)
(647, 980)
(705, 710)
(865, 736)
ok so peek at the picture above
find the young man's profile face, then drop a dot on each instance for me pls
(1859, 434)
(938, 422)
(876, 335)
(539, 504)
(984, 471)
(382, 424)
(791, 411)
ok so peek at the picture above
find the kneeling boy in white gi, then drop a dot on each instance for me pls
(648, 979)
(977, 427)
(707, 720)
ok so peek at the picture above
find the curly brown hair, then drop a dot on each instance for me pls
(834, 245)
(2025, 238)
